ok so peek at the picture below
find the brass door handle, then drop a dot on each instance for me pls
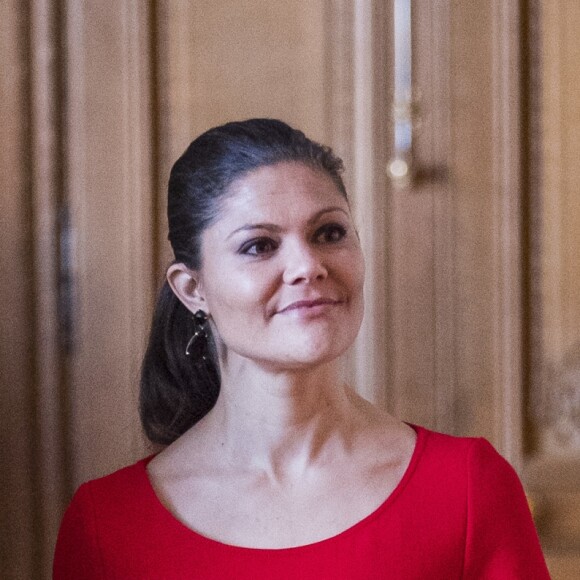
(402, 168)
(404, 109)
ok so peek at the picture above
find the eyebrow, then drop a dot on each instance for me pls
(276, 229)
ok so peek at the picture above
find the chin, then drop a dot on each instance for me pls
(298, 347)
(313, 353)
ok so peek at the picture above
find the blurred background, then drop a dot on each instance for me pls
(459, 124)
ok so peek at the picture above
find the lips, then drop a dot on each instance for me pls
(308, 304)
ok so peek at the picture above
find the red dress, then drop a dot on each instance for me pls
(458, 512)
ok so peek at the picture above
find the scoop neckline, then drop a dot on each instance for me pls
(171, 519)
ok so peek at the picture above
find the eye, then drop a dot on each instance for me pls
(330, 233)
(258, 247)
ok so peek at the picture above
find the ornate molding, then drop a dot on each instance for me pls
(556, 406)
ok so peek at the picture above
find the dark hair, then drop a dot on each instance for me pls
(176, 391)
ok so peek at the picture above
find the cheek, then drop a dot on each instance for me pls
(237, 295)
(359, 269)
(353, 268)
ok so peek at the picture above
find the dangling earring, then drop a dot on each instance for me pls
(199, 338)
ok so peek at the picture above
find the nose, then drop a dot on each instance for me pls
(303, 264)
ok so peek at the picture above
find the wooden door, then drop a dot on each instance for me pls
(456, 335)
(98, 98)
(441, 337)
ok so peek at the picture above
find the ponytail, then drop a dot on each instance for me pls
(176, 391)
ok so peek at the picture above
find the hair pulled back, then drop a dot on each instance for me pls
(177, 391)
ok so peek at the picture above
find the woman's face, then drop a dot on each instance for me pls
(282, 269)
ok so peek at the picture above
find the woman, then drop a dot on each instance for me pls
(272, 467)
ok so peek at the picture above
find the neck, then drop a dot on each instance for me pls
(280, 422)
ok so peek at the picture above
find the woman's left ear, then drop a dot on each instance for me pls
(187, 286)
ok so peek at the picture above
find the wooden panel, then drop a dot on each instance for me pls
(108, 154)
(485, 170)
(553, 446)
(17, 505)
(420, 218)
(369, 353)
(358, 52)
(52, 484)
(473, 182)
(34, 478)
(233, 60)
(559, 237)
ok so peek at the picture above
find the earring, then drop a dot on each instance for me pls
(198, 340)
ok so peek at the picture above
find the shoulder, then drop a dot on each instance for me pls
(488, 475)
(440, 449)
(470, 465)
(467, 449)
(125, 483)
(114, 493)
(499, 534)
(467, 465)
(126, 478)
(98, 508)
